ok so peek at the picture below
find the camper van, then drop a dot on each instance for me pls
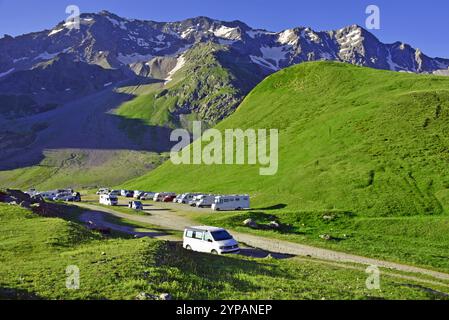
(187, 197)
(235, 202)
(108, 200)
(203, 201)
(209, 239)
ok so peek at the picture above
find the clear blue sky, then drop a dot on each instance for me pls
(423, 24)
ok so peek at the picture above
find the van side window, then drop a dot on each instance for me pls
(208, 237)
(198, 235)
(189, 234)
(226, 200)
(246, 199)
(237, 199)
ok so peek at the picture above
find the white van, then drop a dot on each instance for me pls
(204, 201)
(235, 202)
(108, 200)
(209, 239)
(187, 197)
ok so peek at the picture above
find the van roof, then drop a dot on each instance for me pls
(204, 228)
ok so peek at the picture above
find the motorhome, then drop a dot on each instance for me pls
(209, 239)
(234, 202)
(204, 201)
(108, 200)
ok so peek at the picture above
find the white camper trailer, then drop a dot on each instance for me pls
(108, 199)
(230, 203)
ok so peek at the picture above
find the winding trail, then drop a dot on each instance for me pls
(170, 219)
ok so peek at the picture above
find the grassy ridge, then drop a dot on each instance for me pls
(80, 169)
(36, 251)
(353, 139)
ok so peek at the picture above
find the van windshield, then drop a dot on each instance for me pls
(221, 235)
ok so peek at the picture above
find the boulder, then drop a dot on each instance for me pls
(326, 237)
(25, 204)
(250, 223)
(165, 296)
(144, 296)
(37, 199)
(328, 217)
(274, 225)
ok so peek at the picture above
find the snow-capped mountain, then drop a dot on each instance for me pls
(58, 65)
(112, 41)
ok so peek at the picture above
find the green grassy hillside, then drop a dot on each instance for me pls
(77, 168)
(36, 252)
(351, 139)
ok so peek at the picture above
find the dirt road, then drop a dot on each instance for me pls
(170, 219)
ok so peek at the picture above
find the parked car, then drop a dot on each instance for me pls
(204, 201)
(193, 201)
(159, 197)
(235, 202)
(76, 197)
(48, 195)
(115, 193)
(63, 196)
(147, 196)
(209, 239)
(168, 198)
(103, 191)
(136, 205)
(177, 198)
(108, 200)
(137, 194)
(127, 193)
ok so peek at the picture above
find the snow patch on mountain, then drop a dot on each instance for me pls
(226, 33)
(273, 53)
(288, 37)
(180, 62)
(4, 74)
(264, 63)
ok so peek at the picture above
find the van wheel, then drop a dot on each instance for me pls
(239, 209)
(214, 252)
(188, 247)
